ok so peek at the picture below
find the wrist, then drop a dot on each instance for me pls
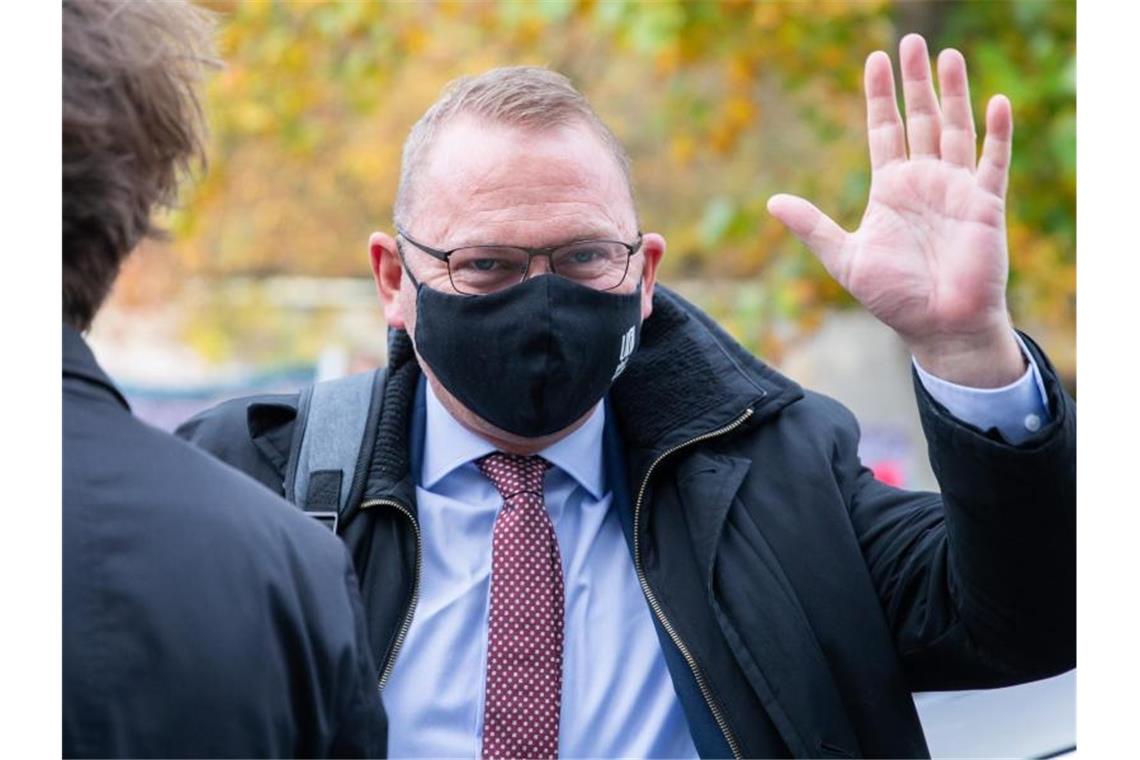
(991, 359)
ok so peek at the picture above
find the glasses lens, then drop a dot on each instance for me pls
(486, 269)
(599, 264)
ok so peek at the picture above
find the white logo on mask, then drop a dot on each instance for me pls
(628, 342)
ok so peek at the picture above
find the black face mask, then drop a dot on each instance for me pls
(533, 358)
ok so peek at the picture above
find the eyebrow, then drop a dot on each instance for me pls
(593, 234)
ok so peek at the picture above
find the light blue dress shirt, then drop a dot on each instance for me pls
(618, 699)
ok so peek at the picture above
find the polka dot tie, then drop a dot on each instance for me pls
(524, 644)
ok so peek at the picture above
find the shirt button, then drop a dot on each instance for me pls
(1032, 423)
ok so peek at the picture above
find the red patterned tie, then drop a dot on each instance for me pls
(524, 637)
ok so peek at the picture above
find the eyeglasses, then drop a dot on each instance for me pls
(481, 269)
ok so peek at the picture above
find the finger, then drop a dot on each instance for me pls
(814, 228)
(923, 116)
(884, 125)
(993, 169)
(959, 140)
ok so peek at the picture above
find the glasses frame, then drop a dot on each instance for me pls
(547, 251)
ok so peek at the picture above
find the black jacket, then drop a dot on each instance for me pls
(202, 615)
(806, 599)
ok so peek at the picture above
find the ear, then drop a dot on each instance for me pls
(388, 273)
(652, 249)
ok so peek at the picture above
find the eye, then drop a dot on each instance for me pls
(581, 257)
(487, 260)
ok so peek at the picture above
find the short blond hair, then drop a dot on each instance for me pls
(530, 97)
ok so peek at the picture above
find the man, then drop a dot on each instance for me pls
(589, 523)
(202, 615)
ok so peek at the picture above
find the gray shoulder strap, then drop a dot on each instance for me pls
(331, 421)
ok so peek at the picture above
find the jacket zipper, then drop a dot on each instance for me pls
(407, 622)
(721, 722)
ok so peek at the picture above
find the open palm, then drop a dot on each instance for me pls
(929, 258)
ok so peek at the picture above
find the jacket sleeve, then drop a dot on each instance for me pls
(363, 725)
(978, 584)
(252, 434)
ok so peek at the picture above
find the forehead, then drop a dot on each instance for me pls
(486, 182)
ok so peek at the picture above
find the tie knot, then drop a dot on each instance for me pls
(513, 474)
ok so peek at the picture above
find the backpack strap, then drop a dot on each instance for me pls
(330, 430)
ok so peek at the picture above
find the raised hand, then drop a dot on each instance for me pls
(929, 258)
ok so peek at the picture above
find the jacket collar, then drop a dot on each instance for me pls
(79, 362)
(687, 378)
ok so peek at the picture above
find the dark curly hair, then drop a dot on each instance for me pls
(132, 127)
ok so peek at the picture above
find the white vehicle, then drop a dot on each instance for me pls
(1033, 720)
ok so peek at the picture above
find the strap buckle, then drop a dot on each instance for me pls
(329, 518)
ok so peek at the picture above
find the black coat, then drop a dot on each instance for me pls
(807, 599)
(202, 615)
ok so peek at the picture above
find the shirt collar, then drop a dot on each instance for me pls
(448, 446)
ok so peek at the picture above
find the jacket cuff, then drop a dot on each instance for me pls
(938, 420)
(1017, 410)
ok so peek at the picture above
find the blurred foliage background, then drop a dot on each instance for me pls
(720, 104)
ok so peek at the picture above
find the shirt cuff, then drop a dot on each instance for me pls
(1017, 410)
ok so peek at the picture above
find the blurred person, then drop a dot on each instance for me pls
(202, 615)
(589, 523)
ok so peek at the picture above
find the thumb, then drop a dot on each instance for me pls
(814, 228)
